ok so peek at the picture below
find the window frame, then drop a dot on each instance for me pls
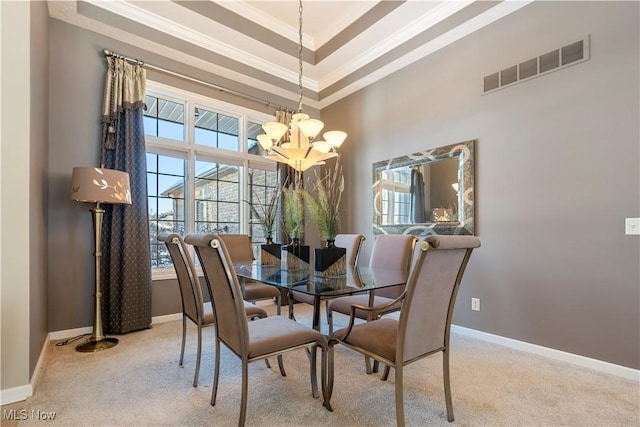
(188, 150)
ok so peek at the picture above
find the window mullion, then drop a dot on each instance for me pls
(190, 202)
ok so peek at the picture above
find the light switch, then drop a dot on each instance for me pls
(632, 226)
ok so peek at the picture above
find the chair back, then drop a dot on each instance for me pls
(238, 246)
(226, 294)
(393, 251)
(352, 243)
(188, 282)
(425, 318)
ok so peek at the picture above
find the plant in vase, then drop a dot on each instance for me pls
(324, 212)
(293, 213)
(267, 215)
(294, 256)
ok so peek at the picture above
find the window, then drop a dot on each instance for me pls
(396, 198)
(204, 168)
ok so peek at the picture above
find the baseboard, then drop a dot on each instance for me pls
(18, 394)
(70, 333)
(15, 394)
(166, 318)
(575, 359)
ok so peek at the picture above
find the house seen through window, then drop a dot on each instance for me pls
(204, 168)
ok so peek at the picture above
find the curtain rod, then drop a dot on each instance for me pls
(107, 52)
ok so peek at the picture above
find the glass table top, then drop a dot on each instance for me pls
(357, 279)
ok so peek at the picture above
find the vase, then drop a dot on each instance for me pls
(294, 256)
(270, 253)
(330, 260)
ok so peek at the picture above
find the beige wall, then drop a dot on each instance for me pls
(14, 197)
(39, 137)
(557, 172)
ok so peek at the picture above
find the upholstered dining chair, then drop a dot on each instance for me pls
(194, 307)
(240, 249)
(352, 243)
(424, 325)
(393, 251)
(255, 340)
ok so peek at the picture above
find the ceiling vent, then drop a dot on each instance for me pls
(554, 60)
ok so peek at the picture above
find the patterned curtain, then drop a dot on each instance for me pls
(126, 259)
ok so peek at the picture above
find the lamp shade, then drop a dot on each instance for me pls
(98, 185)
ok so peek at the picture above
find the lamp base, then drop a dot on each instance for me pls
(93, 346)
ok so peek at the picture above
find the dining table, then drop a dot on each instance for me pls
(356, 279)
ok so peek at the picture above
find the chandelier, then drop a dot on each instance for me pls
(296, 144)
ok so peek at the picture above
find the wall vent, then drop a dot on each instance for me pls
(556, 59)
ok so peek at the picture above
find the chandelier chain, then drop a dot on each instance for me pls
(300, 58)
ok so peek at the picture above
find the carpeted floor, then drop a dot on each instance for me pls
(139, 383)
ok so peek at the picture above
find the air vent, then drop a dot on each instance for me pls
(547, 62)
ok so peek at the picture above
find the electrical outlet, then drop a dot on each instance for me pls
(475, 304)
(631, 226)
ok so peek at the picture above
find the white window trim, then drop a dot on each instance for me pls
(188, 150)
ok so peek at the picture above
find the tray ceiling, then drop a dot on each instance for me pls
(347, 44)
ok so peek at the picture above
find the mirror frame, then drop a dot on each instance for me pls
(465, 152)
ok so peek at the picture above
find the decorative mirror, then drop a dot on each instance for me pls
(430, 192)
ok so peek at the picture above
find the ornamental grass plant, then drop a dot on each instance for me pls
(323, 204)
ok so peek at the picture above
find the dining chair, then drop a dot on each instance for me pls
(424, 325)
(194, 307)
(352, 243)
(392, 251)
(241, 250)
(250, 341)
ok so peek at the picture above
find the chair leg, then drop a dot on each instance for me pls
(290, 299)
(385, 375)
(266, 362)
(447, 385)
(367, 365)
(329, 379)
(323, 379)
(245, 387)
(216, 374)
(399, 396)
(281, 366)
(328, 314)
(195, 377)
(279, 304)
(184, 337)
(313, 370)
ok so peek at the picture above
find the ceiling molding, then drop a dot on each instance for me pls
(359, 51)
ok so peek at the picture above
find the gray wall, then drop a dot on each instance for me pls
(555, 268)
(76, 78)
(557, 172)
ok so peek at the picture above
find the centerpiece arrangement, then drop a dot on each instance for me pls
(324, 212)
(267, 215)
(294, 256)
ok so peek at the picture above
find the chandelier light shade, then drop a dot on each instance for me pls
(99, 186)
(302, 149)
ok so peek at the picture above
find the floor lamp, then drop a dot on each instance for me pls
(99, 186)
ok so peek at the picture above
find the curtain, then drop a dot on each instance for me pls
(126, 259)
(417, 212)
